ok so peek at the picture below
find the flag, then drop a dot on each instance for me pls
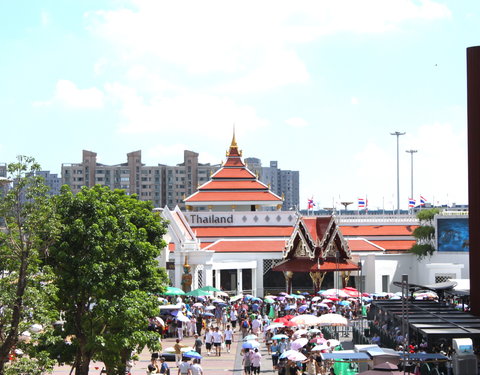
(361, 203)
(422, 201)
(311, 204)
(411, 202)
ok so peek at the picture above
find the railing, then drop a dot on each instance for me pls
(342, 219)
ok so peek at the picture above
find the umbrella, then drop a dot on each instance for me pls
(300, 332)
(283, 294)
(211, 307)
(222, 294)
(287, 353)
(279, 337)
(250, 337)
(297, 356)
(171, 349)
(344, 303)
(318, 340)
(208, 314)
(290, 324)
(333, 342)
(352, 292)
(197, 304)
(172, 291)
(299, 343)
(209, 289)
(192, 354)
(324, 305)
(332, 320)
(270, 296)
(236, 298)
(316, 298)
(274, 325)
(288, 317)
(314, 330)
(250, 344)
(269, 300)
(302, 308)
(198, 293)
(319, 348)
(327, 300)
(306, 319)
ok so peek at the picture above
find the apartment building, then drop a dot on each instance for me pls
(161, 184)
(284, 183)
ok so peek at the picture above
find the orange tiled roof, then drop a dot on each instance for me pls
(316, 226)
(307, 265)
(395, 244)
(232, 196)
(378, 230)
(233, 173)
(362, 245)
(234, 162)
(254, 246)
(247, 231)
(233, 185)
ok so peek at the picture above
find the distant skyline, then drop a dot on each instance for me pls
(316, 85)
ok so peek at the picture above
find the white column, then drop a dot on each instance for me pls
(208, 275)
(254, 282)
(178, 269)
(259, 279)
(239, 281)
(217, 279)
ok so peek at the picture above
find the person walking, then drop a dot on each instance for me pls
(185, 368)
(197, 344)
(228, 338)
(196, 367)
(246, 362)
(208, 340)
(256, 359)
(178, 351)
(217, 341)
(164, 369)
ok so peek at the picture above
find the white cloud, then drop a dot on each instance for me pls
(191, 113)
(297, 122)
(67, 94)
(354, 100)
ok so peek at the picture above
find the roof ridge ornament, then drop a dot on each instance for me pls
(233, 150)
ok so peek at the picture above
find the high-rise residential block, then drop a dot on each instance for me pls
(284, 183)
(161, 184)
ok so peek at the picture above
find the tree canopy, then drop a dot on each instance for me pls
(28, 228)
(107, 275)
(425, 233)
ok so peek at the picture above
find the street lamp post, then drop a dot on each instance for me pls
(411, 152)
(398, 134)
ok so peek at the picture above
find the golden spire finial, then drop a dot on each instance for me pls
(234, 142)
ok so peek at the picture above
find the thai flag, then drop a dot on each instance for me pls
(411, 202)
(361, 203)
(311, 204)
(422, 201)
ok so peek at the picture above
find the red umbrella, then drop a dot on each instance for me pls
(289, 323)
(352, 292)
(288, 317)
(280, 320)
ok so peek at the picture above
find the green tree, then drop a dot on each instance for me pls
(107, 276)
(28, 227)
(425, 233)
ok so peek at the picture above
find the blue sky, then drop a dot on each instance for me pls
(317, 85)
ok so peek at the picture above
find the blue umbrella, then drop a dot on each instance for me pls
(192, 354)
(250, 344)
(344, 303)
(279, 337)
(208, 314)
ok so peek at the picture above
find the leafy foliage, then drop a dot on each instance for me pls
(425, 233)
(107, 275)
(29, 228)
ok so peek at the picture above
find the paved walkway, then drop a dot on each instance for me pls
(226, 364)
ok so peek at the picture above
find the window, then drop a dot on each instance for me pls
(385, 283)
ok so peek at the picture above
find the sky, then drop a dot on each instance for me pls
(318, 86)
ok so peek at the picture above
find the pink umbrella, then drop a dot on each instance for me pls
(299, 343)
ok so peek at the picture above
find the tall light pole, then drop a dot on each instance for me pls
(411, 152)
(398, 134)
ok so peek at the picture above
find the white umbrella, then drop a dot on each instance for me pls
(236, 298)
(316, 298)
(274, 325)
(332, 320)
(222, 294)
(318, 348)
(297, 357)
(333, 342)
(305, 319)
(211, 307)
(299, 343)
(300, 332)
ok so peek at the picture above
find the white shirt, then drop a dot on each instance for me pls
(196, 369)
(208, 336)
(228, 334)
(217, 336)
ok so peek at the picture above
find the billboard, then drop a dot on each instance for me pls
(452, 233)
